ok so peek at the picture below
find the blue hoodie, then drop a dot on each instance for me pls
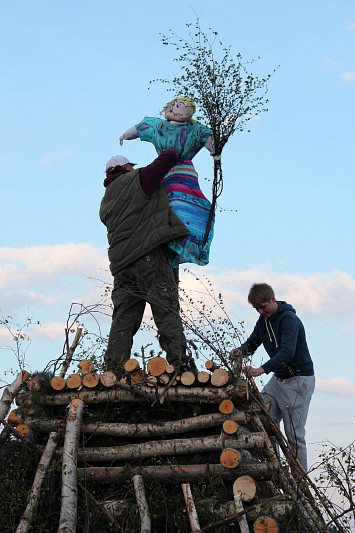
(284, 339)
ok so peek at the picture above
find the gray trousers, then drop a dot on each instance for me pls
(149, 280)
(290, 399)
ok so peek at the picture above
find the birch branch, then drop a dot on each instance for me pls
(139, 491)
(70, 353)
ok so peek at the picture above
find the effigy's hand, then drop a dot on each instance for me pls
(122, 138)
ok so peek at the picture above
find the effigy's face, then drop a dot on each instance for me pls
(179, 110)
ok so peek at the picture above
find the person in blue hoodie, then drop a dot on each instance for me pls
(291, 387)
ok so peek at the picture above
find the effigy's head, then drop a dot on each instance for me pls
(180, 109)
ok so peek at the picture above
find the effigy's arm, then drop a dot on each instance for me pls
(129, 134)
(210, 145)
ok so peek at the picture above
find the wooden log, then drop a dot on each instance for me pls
(203, 377)
(245, 488)
(211, 366)
(226, 407)
(190, 507)
(86, 366)
(242, 520)
(170, 369)
(34, 495)
(73, 381)
(173, 427)
(58, 383)
(68, 511)
(229, 458)
(91, 380)
(137, 377)
(23, 430)
(108, 379)
(152, 381)
(13, 419)
(220, 378)
(70, 351)
(139, 491)
(230, 426)
(131, 365)
(143, 450)
(156, 366)
(176, 473)
(164, 379)
(265, 524)
(34, 383)
(178, 394)
(11, 391)
(187, 379)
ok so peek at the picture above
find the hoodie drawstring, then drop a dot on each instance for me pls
(272, 331)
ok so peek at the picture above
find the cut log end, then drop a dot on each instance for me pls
(131, 365)
(108, 379)
(34, 383)
(137, 377)
(211, 366)
(226, 407)
(265, 524)
(229, 458)
(220, 378)
(91, 380)
(13, 419)
(244, 488)
(187, 378)
(230, 427)
(58, 383)
(203, 377)
(86, 366)
(156, 366)
(23, 430)
(73, 381)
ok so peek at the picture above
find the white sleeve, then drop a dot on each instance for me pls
(129, 134)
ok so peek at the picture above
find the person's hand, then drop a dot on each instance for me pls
(122, 138)
(251, 372)
(235, 353)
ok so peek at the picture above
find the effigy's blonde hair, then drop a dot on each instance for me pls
(186, 98)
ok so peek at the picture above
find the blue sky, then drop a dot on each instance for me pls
(76, 75)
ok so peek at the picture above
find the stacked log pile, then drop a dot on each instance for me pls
(198, 441)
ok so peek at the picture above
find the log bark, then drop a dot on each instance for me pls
(156, 366)
(73, 381)
(265, 524)
(177, 394)
(70, 352)
(190, 507)
(173, 427)
(10, 392)
(143, 450)
(139, 491)
(176, 473)
(58, 383)
(242, 520)
(34, 495)
(68, 511)
(108, 379)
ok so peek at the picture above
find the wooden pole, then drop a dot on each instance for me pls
(190, 507)
(68, 511)
(35, 492)
(139, 491)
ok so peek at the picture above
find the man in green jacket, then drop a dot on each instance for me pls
(139, 222)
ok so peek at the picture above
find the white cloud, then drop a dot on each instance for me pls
(328, 62)
(348, 76)
(48, 159)
(351, 26)
(339, 386)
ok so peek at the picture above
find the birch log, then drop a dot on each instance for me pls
(143, 450)
(177, 394)
(10, 392)
(242, 520)
(173, 427)
(139, 491)
(68, 511)
(34, 495)
(70, 352)
(177, 473)
(190, 507)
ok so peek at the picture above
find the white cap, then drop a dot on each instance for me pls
(118, 160)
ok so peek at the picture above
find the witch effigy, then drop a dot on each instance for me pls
(186, 199)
